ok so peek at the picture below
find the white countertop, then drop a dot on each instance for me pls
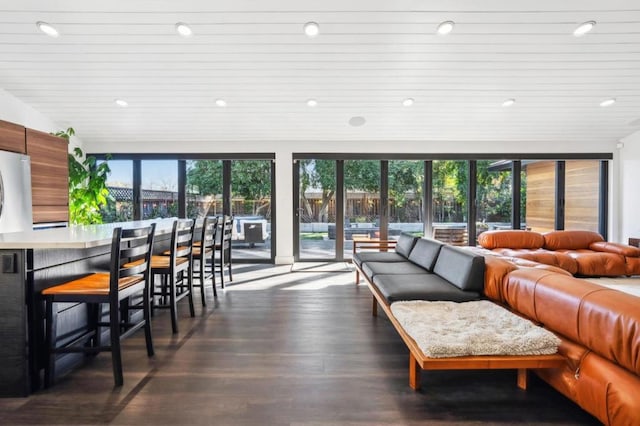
(75, 236)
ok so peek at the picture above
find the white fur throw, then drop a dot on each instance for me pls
(450, 329)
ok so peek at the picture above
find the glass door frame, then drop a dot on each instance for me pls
(339, 197)
(182, 158)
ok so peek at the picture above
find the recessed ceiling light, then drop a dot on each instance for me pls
(221, 103)
(311, 29)
(508, 102)
(48, 29)
(122, 103)
(608, 102)
(183, 29)
(357, 121)
(584, 28)
(312, 103)
(408, 102)
(445, 27)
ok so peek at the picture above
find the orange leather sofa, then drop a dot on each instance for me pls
(599, 329)
(582, 253)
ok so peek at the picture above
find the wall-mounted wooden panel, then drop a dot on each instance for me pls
(12, 137)
(49, 176)
(541, 196)
(582, 193)
(46, 214)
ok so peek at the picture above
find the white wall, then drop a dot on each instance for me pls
(16, 111)
(629, 187)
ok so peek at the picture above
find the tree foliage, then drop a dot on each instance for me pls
(88, 191)
(250, 180)
(406, 179)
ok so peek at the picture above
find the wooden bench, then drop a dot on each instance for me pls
(451, 236)
(419, 361)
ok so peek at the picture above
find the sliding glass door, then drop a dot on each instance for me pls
(316, 211)
(362, 203)
(251, 209)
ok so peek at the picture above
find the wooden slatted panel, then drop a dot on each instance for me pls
(452, 236)
(49, 177)
(45, 214)
(582, 190)
(541, 184)
(12, 137)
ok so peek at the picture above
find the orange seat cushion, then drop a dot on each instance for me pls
(197, 251)
(163, 261)
(97, 284)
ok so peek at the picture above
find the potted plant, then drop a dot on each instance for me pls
(87, 185)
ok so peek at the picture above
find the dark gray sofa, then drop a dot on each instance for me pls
(423, 269)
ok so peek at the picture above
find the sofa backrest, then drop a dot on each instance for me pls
(461, 268)
(513, 238)
(405, 244)
(425, 252)
(607, 321)
(570, 240)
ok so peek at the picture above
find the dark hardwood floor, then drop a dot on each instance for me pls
(283, 348)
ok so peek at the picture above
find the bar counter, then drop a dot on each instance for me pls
(32, 261)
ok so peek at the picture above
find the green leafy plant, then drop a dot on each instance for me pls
(87, 185)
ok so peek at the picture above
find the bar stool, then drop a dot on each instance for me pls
(128, 276)
(177, 262)
(203, 253)
(224, 248)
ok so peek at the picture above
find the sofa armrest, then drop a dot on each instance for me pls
(621, 249)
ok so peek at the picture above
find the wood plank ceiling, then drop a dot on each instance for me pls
(368, 58)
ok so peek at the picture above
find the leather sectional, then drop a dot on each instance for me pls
(531, 274)
(582, 253)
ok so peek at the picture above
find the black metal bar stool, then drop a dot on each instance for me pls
(128, 276)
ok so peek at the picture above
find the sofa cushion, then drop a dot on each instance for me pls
(616, 248)
(595, 263)
(371, 269)
(421, 287)
(405, 244)
(570, 240)
(632, 265)
(425, 252)
(461, 268)
(514, 239)
(548, 257)
(377, 256)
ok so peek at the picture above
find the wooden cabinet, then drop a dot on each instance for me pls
(49, 176)
(12, 137)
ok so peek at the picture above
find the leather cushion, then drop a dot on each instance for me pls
(616, 248)
(604, 320)
(425, 252)
(405, 244)
(570, 240)
(632, 266)
(592, 263)
(377, 256)
(515, 239)
(371, 269)
(421, 287)
(496, 270)
(561, 260)
(461, 268)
